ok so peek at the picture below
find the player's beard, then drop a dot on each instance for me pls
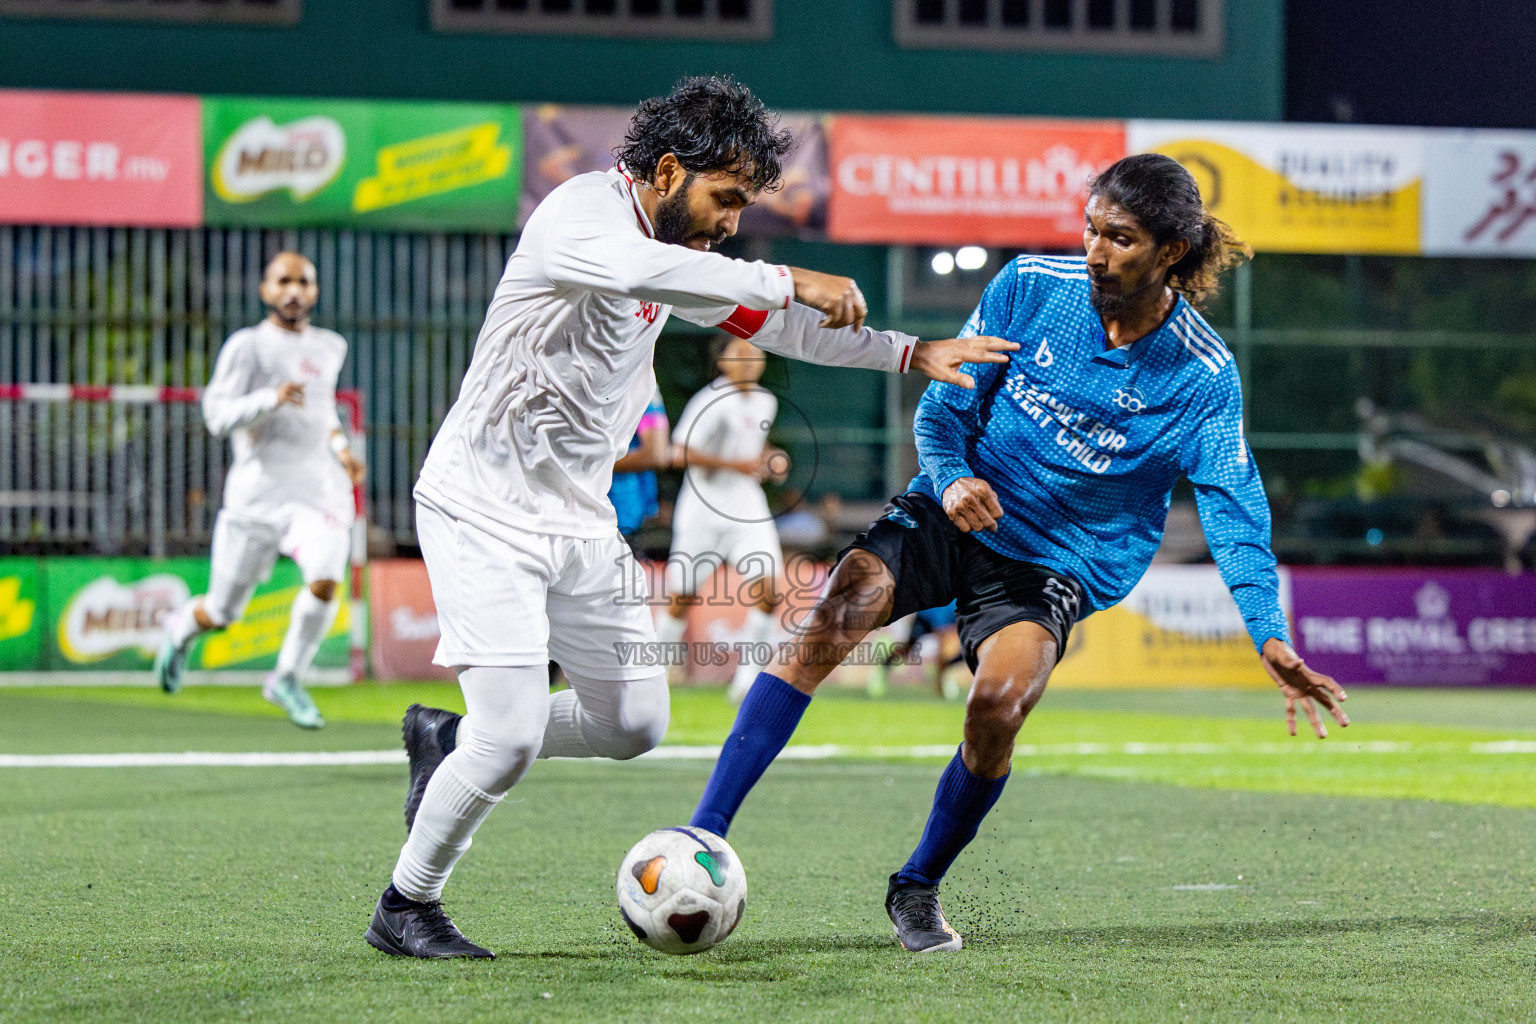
(674, 219)
(292, 315)
(1115, 306)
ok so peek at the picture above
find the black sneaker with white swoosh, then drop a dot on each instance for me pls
(403, 927)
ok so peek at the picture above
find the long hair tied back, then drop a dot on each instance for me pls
(1165, 199)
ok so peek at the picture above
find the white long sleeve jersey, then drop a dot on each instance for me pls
(562, 369)
(282, 454)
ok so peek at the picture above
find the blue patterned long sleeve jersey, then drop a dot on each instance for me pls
(1083, 443)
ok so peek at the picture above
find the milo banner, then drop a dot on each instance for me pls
(563, 142)
(1179, 627)
(21, 625)
(346, 163)
(107, 614)
(1301, 188)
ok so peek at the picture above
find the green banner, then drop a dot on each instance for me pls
(109, 614)
(21, 625)
(349, 163)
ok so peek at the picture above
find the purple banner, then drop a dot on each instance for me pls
(1417, 627)
(561, 142)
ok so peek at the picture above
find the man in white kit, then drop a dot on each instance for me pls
(288, 489)
(722, 515)
(515, 526)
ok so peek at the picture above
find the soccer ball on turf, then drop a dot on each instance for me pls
(682, 890)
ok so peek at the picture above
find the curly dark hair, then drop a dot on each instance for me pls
(711, 123)
(1165, 199)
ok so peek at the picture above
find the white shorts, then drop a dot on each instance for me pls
(701, 543)
(515, 597)
(245, 548)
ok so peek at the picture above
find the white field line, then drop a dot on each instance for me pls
(824, 752)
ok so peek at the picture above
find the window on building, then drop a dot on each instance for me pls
(240, 12)
(689, 19)
(1178, 27)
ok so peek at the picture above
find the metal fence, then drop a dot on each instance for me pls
(135, 306)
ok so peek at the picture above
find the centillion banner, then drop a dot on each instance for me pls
(1301, 188)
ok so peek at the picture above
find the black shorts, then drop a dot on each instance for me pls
(934, 562)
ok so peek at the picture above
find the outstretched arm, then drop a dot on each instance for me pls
(1234, 513)
(799, 333)
(948, 420)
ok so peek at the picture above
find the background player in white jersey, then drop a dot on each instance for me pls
(512, 512)
(722, 516)
(289, 488)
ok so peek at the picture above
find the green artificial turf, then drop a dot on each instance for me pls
(1252, 877)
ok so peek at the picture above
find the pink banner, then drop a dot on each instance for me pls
(100, 159)
(405, 630)
(965, 180)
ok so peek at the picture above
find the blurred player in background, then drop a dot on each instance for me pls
(512, 506)
(289, 487)
(909, 633)
(633, 492)
(722, 516)
(1042, 495)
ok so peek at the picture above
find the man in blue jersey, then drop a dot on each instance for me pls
(1042, 498)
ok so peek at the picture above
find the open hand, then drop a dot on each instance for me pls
(1301, 685)
(941, 360)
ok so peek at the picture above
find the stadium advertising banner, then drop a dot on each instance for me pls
(1178, 627)
(1480, 194)
(965, 181)
(563, 142)
(1417, 627)
(345, 163)
(100, 159)
(21, 631)
(404, 617)
(1301, 188)
(107, 614)
(405, 630)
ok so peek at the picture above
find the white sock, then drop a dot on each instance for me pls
(761, 629)
(451, 811)
(183, 625)
(670, 630)
(761, 626)
(562, 734)
(308, 623)
(498, 737)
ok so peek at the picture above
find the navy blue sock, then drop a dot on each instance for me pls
(764, 723)
(960, 803)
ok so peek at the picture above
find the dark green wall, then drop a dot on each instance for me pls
(826, 55)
